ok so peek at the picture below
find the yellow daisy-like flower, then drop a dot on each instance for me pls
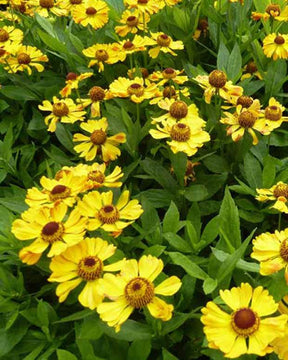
(102, 54)
(127, 47)
(133, 22)
(83, 262)
(46, 7)
(185, 135)
(169, 92)
(65, 111)
(69, 5)
(250, 69)
(278, 192)
(165, 44)
(273, 114)
(280, 345)
(134, 289)
(272, 11)
(48, 226)
(10, 35)
(202, 28)
(54, 191)
(271, 250)
(96, 95)
(24, 58)
(149, 6)
(168, 75)
(98, 142)
(276, 46)
(72, 82)
(134, 89)
(99, 208)
(245, 330)
(216, 83)
(93, 12)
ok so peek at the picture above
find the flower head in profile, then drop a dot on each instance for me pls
(276, 46)
(83, 262)
(271, 250)
(246, 328)
(91, 12)
(72, 82)
(134, 289)
(277, 193)
(48, 227)
(249, 70)
(102, 213)
(65, 111)
(131, 22)
(168, 75)
(202, 28)
(273, 114)
(164, 43)
(47, 7)
(98, 142)
(102, 54)
(96, 95)
(273, 11)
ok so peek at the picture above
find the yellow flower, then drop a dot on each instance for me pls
(243, 331)
(9, 35)
(271, 250)
(149, 6)
(24, 58)
(65, 111)
(216, 83)
(280, 344)
(46, 7)
(273, 114)
(83, 262)
(168, 75)
(103, 214)
(134, 289)
(278, 192)
(250, 69)
(96, 95)
(127, 47)
(72, 82)
(48, 227)
(93, 12)
(202, 28)
(98, 143)
(276, 46)
(185, 135)
(272, 11)
(69, 5)
(54, 191)
(102, 54)
(165, 44)
(168, 92)
(133, 21)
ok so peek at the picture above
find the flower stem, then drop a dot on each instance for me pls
(279, 221)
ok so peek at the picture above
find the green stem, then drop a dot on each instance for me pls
(279, 221)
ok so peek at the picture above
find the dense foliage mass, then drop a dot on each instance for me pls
(144, 179)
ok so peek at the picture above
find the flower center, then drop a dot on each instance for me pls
(96, 93)
(251, 67)
(169, 73)
(136, 89)
(163, 40)
(75, 2)
(139, 292)
(178, 109)
(21, 7)
(96, 176)
(60, 109)
(52, 232)
(98, 137)
(143, 2)
(245, 101)
(281, 190)
(203, 24)
(90, 268)
(169, 92)
(4, 35)
(91, 11)
(71, 76)
(59, 192)
(245, 321)
(217, 78)
(108, 214)
(273, 9)
(284, 250)
(132, 21)
(47, 4)
(23, 58)
(246, 119)
(279, 40)
(101, 55)
(180, 132)
(2, 52)
(128, 45)
(273, 113)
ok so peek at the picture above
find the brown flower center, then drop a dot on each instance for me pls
(21, 7)
(75, 2)
(217, 78)
(163, 40)
(273, 10)
(139, 292)
(144, 73)
(135, 89)
(2, 52)
(47, 4)
(108, 214)
(98, 137)
(284, 250)
(169, 73)
(143, 2)
(132, 21)
(91, 10)
(71, 76)
(169, 92)
(23, 58)
(180, 132)
(202, 24)
(4, 35)
(247, 119)
(96, 93)
(279, 40)
(273, 113)
(251, 67)
(245, 321)
(178, 109)
(59, 192)
(281, 190)
(60, 109)
(96, 176)
(245, 101)
(101, 55)
(128, 45)
(90, 268)
(52, 232)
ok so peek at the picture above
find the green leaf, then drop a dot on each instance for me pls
(90, 328)
(17, 93)
(76, 316)
(275, 77)
(65, 355)
(33, 355)
(209, 285)
(186, 264)
(130, 331)
(192, 234)
(65, 138)
(171, 219)
(177, 242)
(167, 355)
(223, 57)
(234, 64)
(139, 349)
(216, 164)
(179, 163)
(10, 338)
(45, 24)
(196, 193)
(210, 232)
(253, 172)
(269, 171)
